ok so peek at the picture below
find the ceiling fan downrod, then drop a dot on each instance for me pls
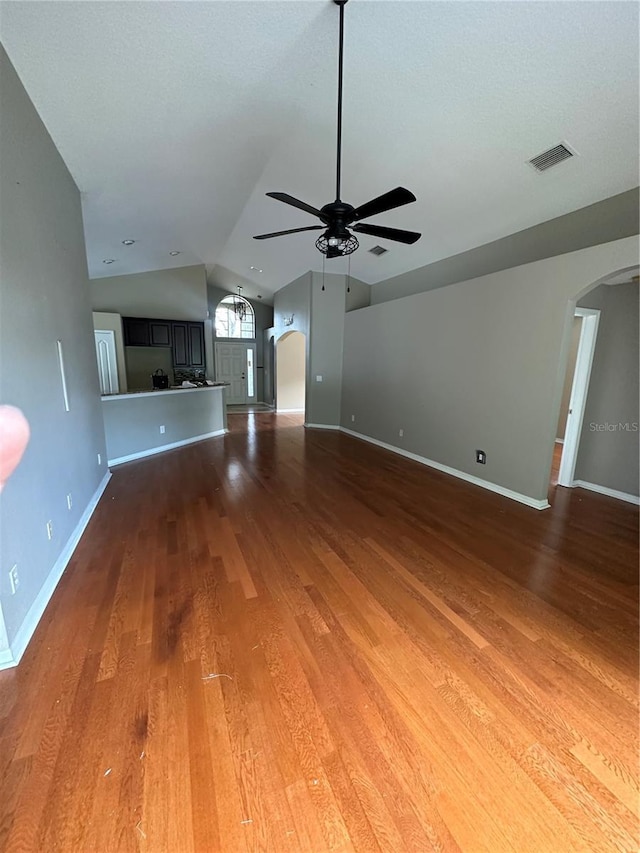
(341, 4)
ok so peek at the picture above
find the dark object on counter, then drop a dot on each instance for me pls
(160, 379)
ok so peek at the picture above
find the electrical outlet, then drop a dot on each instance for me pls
(353, 419)
(162, 429)
(14, 579)
(49, 530)
(99, 459)
(318, 378)
(69, 501)
(401, 433)
(481, 457)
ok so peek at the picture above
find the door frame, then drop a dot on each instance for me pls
(245, 344)
(579, 389)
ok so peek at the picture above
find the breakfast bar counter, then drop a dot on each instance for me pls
(139, 424)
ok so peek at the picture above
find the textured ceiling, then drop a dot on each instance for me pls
(175, 118)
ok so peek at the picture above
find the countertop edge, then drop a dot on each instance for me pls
(136, 395)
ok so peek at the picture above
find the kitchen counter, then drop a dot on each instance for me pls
(148, 422)
(176, 389)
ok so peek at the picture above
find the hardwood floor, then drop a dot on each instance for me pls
(291, 640)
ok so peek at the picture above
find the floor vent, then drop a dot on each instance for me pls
(551, 157)
(378, 250)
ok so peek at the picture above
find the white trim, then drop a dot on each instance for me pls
(579, 390)
(461, 475)
(119, 460)
(559, 440)
(288, 411)
(34, 614)
(322, 426)
(603, 490)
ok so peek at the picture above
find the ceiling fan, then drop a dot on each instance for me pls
(338, 216)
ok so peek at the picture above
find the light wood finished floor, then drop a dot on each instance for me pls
(291, 640)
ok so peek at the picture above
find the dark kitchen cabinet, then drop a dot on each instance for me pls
(159, 333)
(136, 332)
(185, 338)
(188, 345)
(180, 345)
(196, 344)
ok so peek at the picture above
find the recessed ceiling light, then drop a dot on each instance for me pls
(109, 261)
(128, 242)
(255, 268)
(174, 253)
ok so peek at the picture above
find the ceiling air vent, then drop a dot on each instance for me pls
(551, 157)
(378, 250)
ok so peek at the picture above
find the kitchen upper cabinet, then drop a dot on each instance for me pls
(185, 338)
(188, 345)
(180, 345)
(136, 332)
(196, 344)
(159, 333)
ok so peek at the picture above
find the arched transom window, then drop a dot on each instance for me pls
(235, 318)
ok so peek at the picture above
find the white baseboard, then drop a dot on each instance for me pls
(34, 614)
(289, 411)
(603, 490)
(322, 426)
(161, 449)
(461, 475)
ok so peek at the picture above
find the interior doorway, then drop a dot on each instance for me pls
(291, 372)
(583, 344)
(236, 364)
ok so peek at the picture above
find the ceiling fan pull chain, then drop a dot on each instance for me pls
(323, 257)
(348, 273)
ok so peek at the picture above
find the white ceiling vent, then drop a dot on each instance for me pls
(551, 157)
(378, 250)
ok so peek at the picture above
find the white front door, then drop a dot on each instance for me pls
(107, 364)
(236, 364)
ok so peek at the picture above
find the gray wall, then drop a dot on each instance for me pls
(320, 316)
(132, 424)
(169, 294)
(264, 320)
(606, 221)
(478, 364)
(44, 292)
(609, 456)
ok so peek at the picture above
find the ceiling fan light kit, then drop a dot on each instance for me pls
(338, 216)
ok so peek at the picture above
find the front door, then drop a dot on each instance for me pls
(236, 364)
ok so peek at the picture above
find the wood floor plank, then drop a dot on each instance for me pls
(288, 640)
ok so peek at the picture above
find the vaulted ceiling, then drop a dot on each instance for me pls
(175, 118)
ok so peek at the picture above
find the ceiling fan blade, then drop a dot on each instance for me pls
(394, 198)
(387, 233)
(290, 231)
(295, 202)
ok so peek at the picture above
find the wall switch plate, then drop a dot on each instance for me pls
(14, 579)
(49, 530)
(353, 419)
(99, 459)
(481, 457)
(69, 501)
(318, 378)
(162, 429)
(401, 433)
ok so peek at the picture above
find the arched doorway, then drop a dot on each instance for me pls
(596, 447)
(291, 372)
